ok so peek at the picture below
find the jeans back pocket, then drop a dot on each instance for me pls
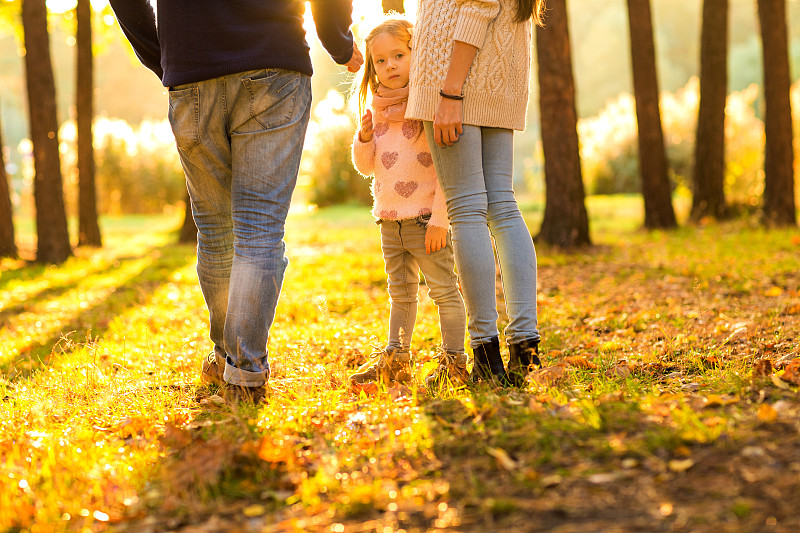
(184, 117)
(273, 98)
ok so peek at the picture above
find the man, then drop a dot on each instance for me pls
(238, 74)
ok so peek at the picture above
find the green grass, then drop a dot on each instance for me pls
(650, 415)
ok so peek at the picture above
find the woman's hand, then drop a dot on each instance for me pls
(447, 126)
(435, 239)
(366, 132)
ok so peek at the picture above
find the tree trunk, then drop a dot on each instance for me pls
(779, 205)
(88, 228)
(188, 233)
(393, 5)
(709, 157)
(51, 219)
(658, 212)
(8, 247)
(565, 221)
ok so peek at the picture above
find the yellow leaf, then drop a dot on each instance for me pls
(252, 511)
(714, 400)
(680, 465)
(778, 382)
(767, 413)
(774, 291)
(274, 452)
(502, 457)
(610, 346)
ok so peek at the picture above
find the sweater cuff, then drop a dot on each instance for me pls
(473, 22)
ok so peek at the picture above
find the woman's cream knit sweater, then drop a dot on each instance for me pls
(496, 88)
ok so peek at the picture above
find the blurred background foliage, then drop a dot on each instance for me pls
(138, 170)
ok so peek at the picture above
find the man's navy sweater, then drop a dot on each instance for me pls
(197, 40)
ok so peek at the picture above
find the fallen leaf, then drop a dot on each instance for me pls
(791, 373)
(369, 388)
(767, 413)
(774, 291)
(621, 370)
(548, 375)
(551, 481)
(399, 391)
(251, 511)
(778, 382)
(215, 399)
(580, 361)
(175, 437)
(762, 367)
(605, 477)
(680, 465)
(275, 451)
(629, 463)
(502, 457)
(611, 346)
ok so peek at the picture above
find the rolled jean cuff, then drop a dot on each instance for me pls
(526, 338)
(474, 343)
(244, 378)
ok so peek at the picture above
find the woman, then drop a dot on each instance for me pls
(469, 84)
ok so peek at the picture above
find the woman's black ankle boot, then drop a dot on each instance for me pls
(488, 364)
(523, 357)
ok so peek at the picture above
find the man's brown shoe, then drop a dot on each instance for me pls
(212, 372)
(243, 394)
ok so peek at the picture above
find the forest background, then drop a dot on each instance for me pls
(131, 107)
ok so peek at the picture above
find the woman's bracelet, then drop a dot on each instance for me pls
(450, 96)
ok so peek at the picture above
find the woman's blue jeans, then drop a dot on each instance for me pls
(476, 176)
(240, 138)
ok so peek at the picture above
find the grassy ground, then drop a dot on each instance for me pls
(668, 401)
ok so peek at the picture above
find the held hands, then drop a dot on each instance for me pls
(366, 131)
(435, 239)
(356, 60)
(447, 125)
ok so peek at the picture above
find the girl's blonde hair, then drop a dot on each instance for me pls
(398, 28)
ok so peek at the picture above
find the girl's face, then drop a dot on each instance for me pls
(392, 59)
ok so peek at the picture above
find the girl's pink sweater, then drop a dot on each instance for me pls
(405, 184)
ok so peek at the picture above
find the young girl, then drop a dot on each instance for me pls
(470, 87)
(410, 209)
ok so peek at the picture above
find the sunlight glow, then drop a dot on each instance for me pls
(366, 15)
(61, 6)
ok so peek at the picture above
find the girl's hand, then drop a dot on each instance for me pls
(447, 126)
(365, 133)
(435, 239)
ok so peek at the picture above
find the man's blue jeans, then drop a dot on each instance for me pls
(240, 138)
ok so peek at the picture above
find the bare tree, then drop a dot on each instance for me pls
(88, 227)
(51, 218)
(779, 205)
(658, 212)
(8, 246)
(565, 221)
(708, 197)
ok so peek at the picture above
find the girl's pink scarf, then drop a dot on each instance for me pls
(390, 103)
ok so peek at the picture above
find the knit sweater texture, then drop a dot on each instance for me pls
(497, 86)
(188, 41)
(405, 184)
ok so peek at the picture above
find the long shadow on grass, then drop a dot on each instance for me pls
(495, 450)
(131, 292)
(53, 290)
